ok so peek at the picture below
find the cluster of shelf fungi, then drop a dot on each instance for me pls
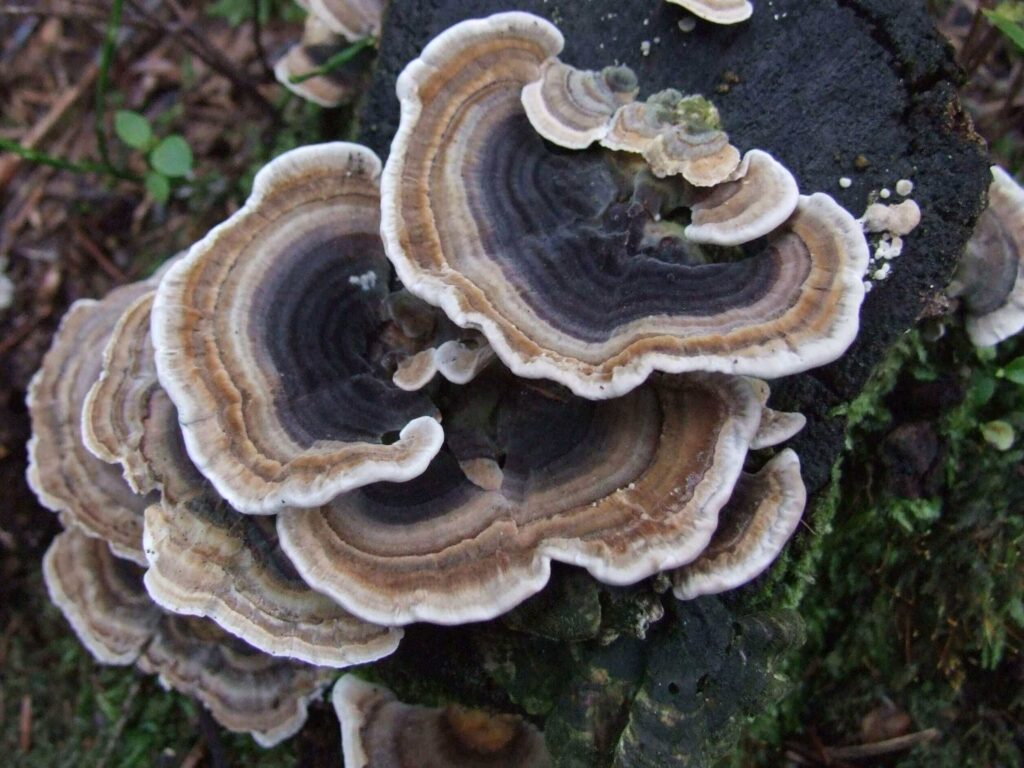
(379, 396)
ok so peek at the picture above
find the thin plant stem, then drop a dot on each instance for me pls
(257, 33)
(76, 166)
(106, 59)
(335, 61)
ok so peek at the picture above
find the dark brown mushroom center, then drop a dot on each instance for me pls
(321, 323)
(590, 245)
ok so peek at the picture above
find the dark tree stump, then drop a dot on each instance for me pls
(832, 88)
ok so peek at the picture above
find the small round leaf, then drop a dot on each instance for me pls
(133, 129)
(158, 186)
(172, 157)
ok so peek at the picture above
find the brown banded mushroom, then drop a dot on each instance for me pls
(379, 731)
(121, 402)
(245, 690)
(206, 559)
(318, 44)
(762, 515)
(624, 488)
(541, 250)
(101, 596)
(457, 360)
(352, 19)
(990, 279)
(718, 11)
(87, 492)
(776, 426)
(677, 135)
(209, 560)
(267, 341)
(104, 601)
(573, 107)
(759, 200)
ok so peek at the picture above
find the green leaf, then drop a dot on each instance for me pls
(1014, 371)
(172, 157)
(1007, 26)
(998, 434)
(133, 129)
(158, 186)
(982, 387)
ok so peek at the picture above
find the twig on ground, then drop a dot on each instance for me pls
(39, 131)
(886, 747)
(25, 725)
(183, 32)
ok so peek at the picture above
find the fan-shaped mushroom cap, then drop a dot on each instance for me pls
(208, 560)
(537, 248)
(266, 336)
(116, 409)
(245, 690)
(759, 519)
(573, 107)
(67, 478)
(457, 360)
(379, 731)
(104, 601)
(718, 11)
(703, 159)
(101, 596)
(205, 558)
(623, 488)
(756, 203)
(776, 427)
(990, 279)
(317, 45)
(677, 135)
(353, 19)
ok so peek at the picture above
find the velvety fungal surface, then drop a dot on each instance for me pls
(87, 492)
(775, 80)
(755, 525)
(379, 731)
(267, 340)
(318, 44)
(101, 596)
(103, 599)
(625, 488)
(990, 279)
(561, 258)
(206, 558)
(245, 690)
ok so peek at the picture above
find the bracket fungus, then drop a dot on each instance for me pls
(379, 731)
(205, 558)
(104, 601)
(87, 492)
(718, 11)
(624, 488)
(352, 19)
(318, 44)
(761, 516)
(990, 280)
(548, 254)
(264, 338)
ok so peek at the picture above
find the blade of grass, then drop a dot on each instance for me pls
(106, 59)
(79, 166)
(335, 61)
